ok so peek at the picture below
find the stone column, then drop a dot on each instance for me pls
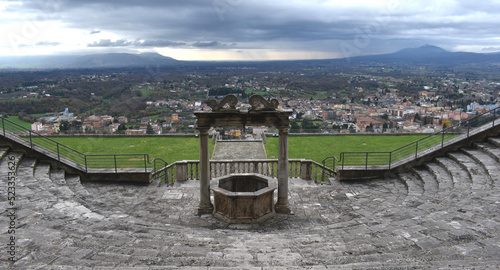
(206, 206)
(282, 205)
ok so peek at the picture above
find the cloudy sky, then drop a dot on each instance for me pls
(246, 29)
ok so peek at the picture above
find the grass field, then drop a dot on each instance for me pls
(16, 120)
(172, 149)
(319, 147)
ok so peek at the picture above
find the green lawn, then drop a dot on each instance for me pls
(16, 120)
(319, 147)
(170, 149)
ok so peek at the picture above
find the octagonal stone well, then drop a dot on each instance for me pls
(243, 198)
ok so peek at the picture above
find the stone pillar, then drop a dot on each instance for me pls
(282, 205)
(181, 171)
(205, 206)
(305, 169)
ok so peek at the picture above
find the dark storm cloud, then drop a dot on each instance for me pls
(212, 44)
(109, 43)
(315, 25)
(139, 43)
(158, 43)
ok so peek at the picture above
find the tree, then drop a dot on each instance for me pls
(309, 125)
(122, 128)
(446, 123)
(369, 128)
(149, 129)
(417, 117)
(294, 125)
(385, 126)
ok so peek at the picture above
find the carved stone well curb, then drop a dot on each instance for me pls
(243, 198)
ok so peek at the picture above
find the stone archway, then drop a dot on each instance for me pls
(262, 113)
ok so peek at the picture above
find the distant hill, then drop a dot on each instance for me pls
(429, 54)
(122, 60)
(110, 60)
(424, 55)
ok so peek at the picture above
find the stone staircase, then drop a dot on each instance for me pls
(441, 215)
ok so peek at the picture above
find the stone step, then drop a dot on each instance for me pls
(399, 190)
(414, 185)
(49, 200)
(3, 151)
(92, 200)
(461, 178)
(494, 140)
(480, 177)
(431, 185)
(443, 178)
(7, 169)
(413, 220)
(135, 200)
(488, 162)
(58, 179)
(489, 149)
(42, 175)
(26, 173)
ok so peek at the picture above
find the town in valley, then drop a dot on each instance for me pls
(325, 96)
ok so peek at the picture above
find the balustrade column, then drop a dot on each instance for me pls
(205, 206)
(282, 206)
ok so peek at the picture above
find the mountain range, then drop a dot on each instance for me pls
(427, 54)
(109, 60)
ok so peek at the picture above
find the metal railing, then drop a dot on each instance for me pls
(69, 156)
(330, 162)
(297, 168)
(389, 159)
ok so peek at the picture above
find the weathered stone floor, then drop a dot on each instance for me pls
(444, 215)
(244, 149)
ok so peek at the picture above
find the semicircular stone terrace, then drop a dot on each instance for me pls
(444, 214)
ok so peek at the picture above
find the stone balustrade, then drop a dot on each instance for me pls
(297, 168)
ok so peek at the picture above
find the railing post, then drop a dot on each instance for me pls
(494, 116)
(31, 141)
(416, 149)
(305, 170)
(390, 159)
(181, 171)
(166, 174)
(58, 154)
(3, 126)
(468, 128)
(442, 139)
(116, 168)
(366, 164)
(86, 168)
(342, 156)
(145, 164)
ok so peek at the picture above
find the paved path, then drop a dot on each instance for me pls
(226, 150)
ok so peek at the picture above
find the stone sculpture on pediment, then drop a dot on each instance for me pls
(227, 103)
(259, 103)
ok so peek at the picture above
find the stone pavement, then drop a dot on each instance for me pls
(233, 149)
(444, 215)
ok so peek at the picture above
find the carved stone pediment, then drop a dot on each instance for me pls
(259, 103)
(227, 103)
